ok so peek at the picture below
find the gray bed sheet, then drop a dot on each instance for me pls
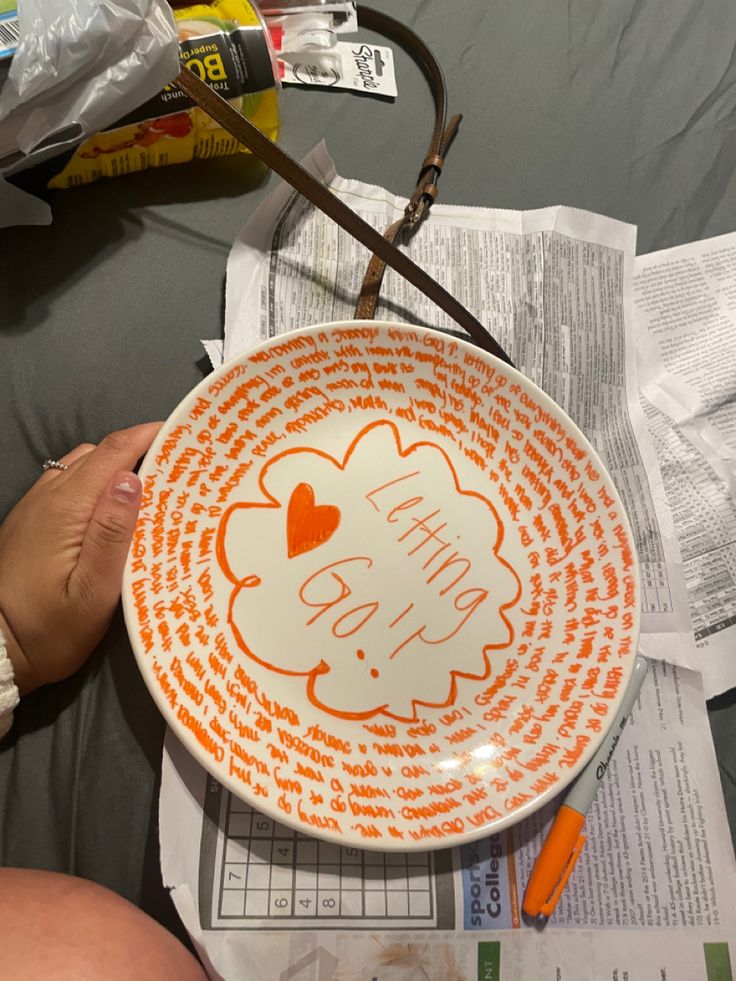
(625, 108)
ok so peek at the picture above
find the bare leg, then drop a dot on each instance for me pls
(61, 928)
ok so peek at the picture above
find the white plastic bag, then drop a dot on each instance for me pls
(80, 65)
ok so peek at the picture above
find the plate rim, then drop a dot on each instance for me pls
(263, 805)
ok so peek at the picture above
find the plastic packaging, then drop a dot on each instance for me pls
(9, 35)
(82, 63)
(227, 45)
(79, 65)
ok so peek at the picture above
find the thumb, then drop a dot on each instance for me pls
(99, 570)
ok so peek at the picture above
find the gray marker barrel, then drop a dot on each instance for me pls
(583, 791)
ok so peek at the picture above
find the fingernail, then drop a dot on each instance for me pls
(126, 488)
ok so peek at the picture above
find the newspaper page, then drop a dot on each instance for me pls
(263, 901)
(553, 286)
(685, 303)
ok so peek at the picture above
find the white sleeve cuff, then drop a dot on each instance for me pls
(8, 692)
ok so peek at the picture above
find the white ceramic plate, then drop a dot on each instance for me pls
(382, 587)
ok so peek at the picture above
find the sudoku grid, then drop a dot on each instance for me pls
(265, 874)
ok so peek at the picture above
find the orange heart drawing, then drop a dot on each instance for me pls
(308, 525)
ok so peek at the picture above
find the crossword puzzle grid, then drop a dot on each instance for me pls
(269, 872)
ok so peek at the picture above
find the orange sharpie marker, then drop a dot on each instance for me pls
(565, 840)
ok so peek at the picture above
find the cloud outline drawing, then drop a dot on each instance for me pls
(270, 502)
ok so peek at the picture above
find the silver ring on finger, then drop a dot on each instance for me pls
(53, 465)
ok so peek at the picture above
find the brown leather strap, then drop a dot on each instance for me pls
(293, 173)
(441, 135)
(417, 207)
(426, 189)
